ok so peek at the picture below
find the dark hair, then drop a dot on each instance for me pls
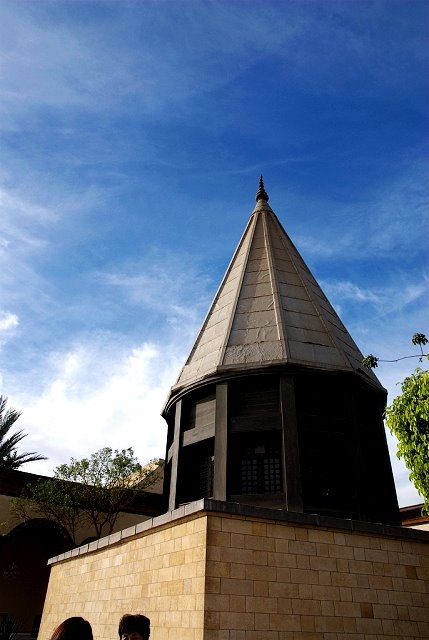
(73, 629)
(130, 623)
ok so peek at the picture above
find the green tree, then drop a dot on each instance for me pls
(87, 493)
(408, 419)
(9, 456)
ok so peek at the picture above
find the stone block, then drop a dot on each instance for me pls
(237, 603)
(261, 605)
(323, 564)
(303, 562)
(237, 621)
(325, 592)
(233, 586)
(341, 552)
(329, 624)
(300, 547)
(280, 559)
(369, 626)
(307, 607)
(305, 576)
(258, 572)
(283, 590)
(238, 571)
(261, 588)
(285, 622)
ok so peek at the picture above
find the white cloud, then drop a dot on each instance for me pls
(98, 394)
(8, 321)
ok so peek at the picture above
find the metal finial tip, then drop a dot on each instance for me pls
(262, 194)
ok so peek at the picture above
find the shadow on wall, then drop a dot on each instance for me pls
(24, 572)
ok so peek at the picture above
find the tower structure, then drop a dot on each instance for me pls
(271, 409)
(273, 406)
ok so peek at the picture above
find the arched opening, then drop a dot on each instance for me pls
(24, 572)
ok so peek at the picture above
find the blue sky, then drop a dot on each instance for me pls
(132, 137)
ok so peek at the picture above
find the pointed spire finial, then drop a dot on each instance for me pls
(262, 194)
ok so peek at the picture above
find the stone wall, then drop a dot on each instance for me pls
(275, 581)
(158, 571)
(216, 571)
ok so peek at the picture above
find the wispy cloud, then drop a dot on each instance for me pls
(169, 282)
(64, 65)
(49, 62)
(20, 222)
(376, 302)
(350, 291)
(393, 218)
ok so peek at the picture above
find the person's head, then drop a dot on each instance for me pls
(73, 629)
(134, 627)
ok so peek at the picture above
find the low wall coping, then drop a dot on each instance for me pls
(208, 505)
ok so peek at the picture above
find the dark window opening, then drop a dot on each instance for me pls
(255, 465)
(195, 473)
(328, 463)
(260, 470)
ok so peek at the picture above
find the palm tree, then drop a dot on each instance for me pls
(9, 457)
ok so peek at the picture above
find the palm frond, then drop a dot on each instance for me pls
(9, 457)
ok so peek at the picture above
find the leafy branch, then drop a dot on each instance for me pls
(371, 362)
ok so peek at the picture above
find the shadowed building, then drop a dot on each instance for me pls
(273, 406)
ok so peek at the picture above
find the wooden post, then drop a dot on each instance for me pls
(175, 456)
(291, 463)
(221, 442)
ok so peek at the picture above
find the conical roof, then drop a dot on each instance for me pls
(269, 310)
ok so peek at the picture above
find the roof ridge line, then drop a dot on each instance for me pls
(251, 231)
(275, 287)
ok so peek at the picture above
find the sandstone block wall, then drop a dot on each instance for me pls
(212, 572)
(274, 581)
(160, 573)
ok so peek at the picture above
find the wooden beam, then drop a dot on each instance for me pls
(197, 434)
(175, 456)
(291, 462)
(221, 442)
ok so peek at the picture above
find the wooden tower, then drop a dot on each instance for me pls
(273, 407)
